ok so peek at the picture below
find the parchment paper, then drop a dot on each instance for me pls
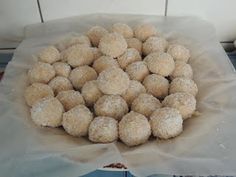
(206, 147)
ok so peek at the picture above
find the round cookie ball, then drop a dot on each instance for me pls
(49, 55)
(145, 104)
(79, 55)
(135, 43)
(95, 34)
(179, 52)
(70, 99)
(47, 112)
(103, 130)
(103, 63)
(123, 29)
(137, 70)
(96, 53)
(166, 123)
(134, 129)
(182, 69)
(183, 85)
(156, 85)
(144, 31)
(82, 74)
(113, 81)
(37, 91)
(154, 44)
(160, 63)
(112, 44)
(185, 103)
(90, 92)
(134, 90)
(111, 106)
(131, 55)
(62, 69)
(59, 84)
(76, 121)
(41, 72)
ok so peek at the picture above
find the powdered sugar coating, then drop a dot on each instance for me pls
(113, 45)
(37, 91)
(183, 85)
(76, 121)
(113, 81)
(131, 55)
(49, 55)
(112, 106)
(47, 112)
(41, 72)
(90, 92)
(70, 99)
(156, 85)
(179, 52)
(96, 53)
(185, 103)
(144, 31)
(80, 75)
(62, 69)
(182, 69)
(123, 29)
(135, 88)
(145, 104)
(166, 123)
(59, 84)
(95, 34)
(155, 44)
(137, 70)
(135, 43)
(160, 63)
(134, 129)
(104, 62)
(103, 130)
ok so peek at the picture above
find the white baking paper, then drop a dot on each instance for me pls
(206, 147)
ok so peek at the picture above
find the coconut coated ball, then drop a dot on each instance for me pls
(78, 55)
(41, 72)
(113, 81)
(103, 130)
(160, 63)
(113, 45)
(183, 85)
(144, 31)
(145, 104)
(179, 52)
(49, 55)
(90, 92)
(134, 129)
(36, 91)
(82, 74)
(134, 90)
(103, 63)
(182, 69)
(185, 103)
(76, 121)
(62, 69)
(47, 112)
(70, 99)
(135, 43)
(95, 34)
(131, 55)
(155, 44)
(137, 70)
(59, 84)
(112, 106)
(96, 53)
(123, 29)
(166, 123)
(156, 85)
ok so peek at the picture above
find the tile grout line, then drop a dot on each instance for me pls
(40, 12)
(166, 7)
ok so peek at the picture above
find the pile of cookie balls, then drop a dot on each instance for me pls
(123, 83)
